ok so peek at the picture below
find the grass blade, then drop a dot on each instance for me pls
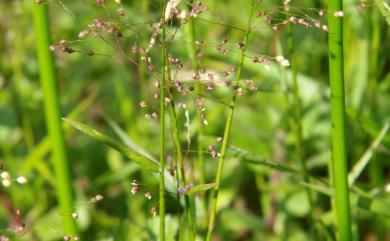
(253, 159)
(126, 139)
(371, 204)
(385, 10)
(142, 160)
(200, 188)
(365, 159)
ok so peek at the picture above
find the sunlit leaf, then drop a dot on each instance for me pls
(200, 188)
(142, 160)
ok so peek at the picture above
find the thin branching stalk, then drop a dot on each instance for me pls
(193, 52)
(53, 116)
(214, 197)
(162, 125)
(179, 156)
(339, 148)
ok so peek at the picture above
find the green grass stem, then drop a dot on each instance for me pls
(162, 125)
(53, 116)
(224, 147)
(339, 148)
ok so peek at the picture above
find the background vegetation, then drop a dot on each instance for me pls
(257, 63)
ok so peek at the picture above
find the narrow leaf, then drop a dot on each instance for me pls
(256, 160)
(365, 202)
(365, 159)
(126, 139)
(385, 10)
(200, 188)
(142, 160)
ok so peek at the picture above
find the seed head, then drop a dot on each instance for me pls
(361, 7)
(154, 211)
(338, 14)
(148, 195)
(120, 12)
(21, 180)
(96, 198)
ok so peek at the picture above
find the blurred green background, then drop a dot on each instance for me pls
(257, 202)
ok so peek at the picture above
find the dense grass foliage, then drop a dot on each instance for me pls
(194, 120)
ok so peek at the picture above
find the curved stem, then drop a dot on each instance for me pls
(214, 197)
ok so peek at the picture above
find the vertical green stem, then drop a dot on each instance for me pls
(214, 197)
(339, 148)
(162, 124)
(52, 112)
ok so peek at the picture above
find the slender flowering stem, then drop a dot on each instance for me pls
(193, 52)
(53, 116)
(339, 148)
(214, 197)
(162, 125)
(179, 155)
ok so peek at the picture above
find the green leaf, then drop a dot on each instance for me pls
(385, 10)
(200, 188)
(256, 160)
(363, 201)
(142, 160)
(365, 159)
(126, 139)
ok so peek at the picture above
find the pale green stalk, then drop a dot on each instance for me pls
(214, 197)
(53, 116)
(162, 126)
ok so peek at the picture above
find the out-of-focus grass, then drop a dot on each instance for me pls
(261, 125)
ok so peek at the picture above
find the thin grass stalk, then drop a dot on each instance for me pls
(298, 129)
(193, 51)
(53, 116)
(195, 68)
(339, 148)
(179, 156)
(264, 198)
(214, 197)
(162, 125)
